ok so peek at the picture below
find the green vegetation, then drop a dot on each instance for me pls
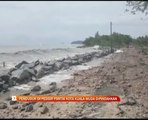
(141, 41)
(138, 6)
(118, 40)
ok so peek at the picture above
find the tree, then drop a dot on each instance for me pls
(141, 6)
(89, 41)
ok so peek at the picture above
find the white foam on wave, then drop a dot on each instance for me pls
(42, 54)
(118, 51)
(22, 87)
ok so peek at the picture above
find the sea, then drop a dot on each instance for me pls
(16, 48)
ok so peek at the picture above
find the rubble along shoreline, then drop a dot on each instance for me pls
(106, 79)
(25, 72)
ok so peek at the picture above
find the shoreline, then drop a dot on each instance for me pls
(11, 59)
(59, 77)
(60, 74)
(104, 79)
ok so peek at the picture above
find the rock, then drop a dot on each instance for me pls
(26, 104)
(29, 65)
(31, 71)
(47, 68)
(51, 63)
(75, 57)
(65, 66)
(8, 98)
(44, 70)
(12, 83)
(57, 66)
(22, 75)
(12, 102)
(4, 81)
(22, 108)
(5, 86)
(120, 112)
(61, 60)
(36, 63)
(24, 116)
(131, 101)
(112, 81)
(97, 55)
(15, 107)
(1, 80)
(67, 60)
(1, 84)
(40, 73)
(38, 67)
(129, 85)
(76, 74)
(53, 83)
(26, 93)
(87, 58)
(80, 60)
(3, 105)
(53, 87)
(36, 88)
(45, 92)
(128, 101)
(5, 77)
(44, 110)
(85, 64)
(20, 64)
(97, 87)
(11, 70)
(4, 91)
(40, 104)
(29, 108)
(74, 62)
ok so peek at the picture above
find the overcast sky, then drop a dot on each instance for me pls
(50, 22)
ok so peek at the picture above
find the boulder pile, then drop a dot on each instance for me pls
(25, 72)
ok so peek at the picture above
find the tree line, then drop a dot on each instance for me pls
(117, 40)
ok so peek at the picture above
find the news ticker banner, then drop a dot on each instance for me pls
(66, 98)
